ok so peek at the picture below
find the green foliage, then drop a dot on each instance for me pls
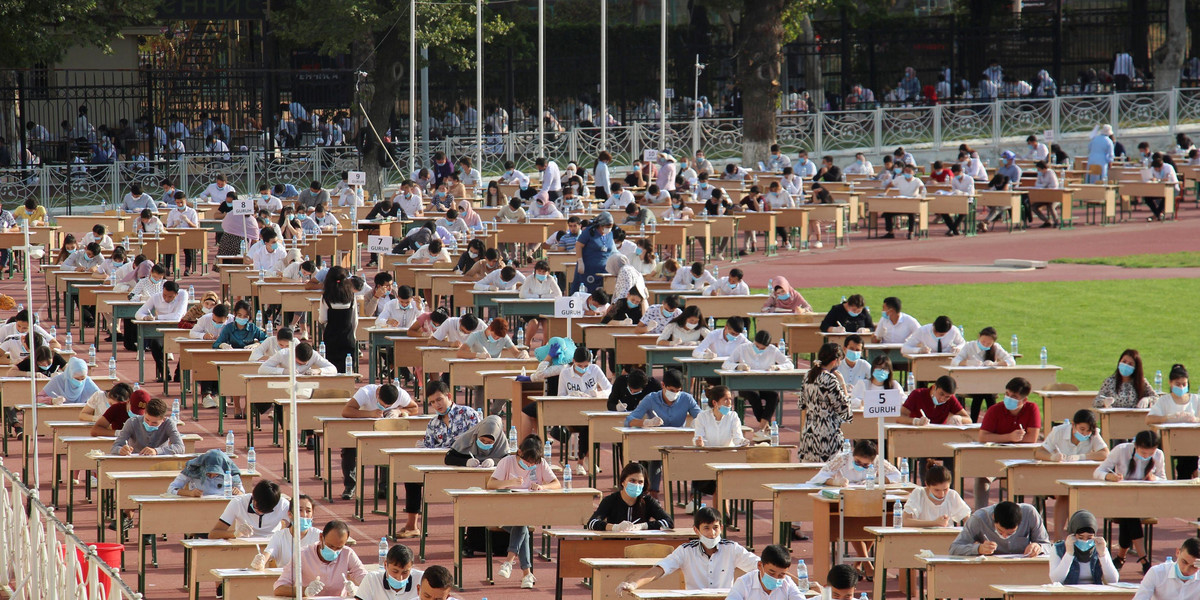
(1139, 261)
(41, 31)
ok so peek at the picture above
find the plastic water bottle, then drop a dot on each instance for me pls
(243, 247)
(717, 271)
(802, 574)
(191, 292)
(871, 477)
(843, 299)
(782, 345)
(548, 451)
(228, 484)
(712, 323)
(53, 332)
(349, 364)
(112, 367)
(774, 433)
(251, 460)
(898, 514)
(1043, 356)
(1013, 347)
(92, 355)
(770, 289)
(258, 319)
(960, 331)
(567, 477)
(642, 227)
(520, 336)
(140, 232)
(136, 386)
(229, 443)
(175, 411)
(512, 439)
(270, 329)
(70, 340)
(846, 445)
(20, 307)
(863, 596)
(910, 383)
(321, 349)
(904, 473)
(1158, 380)
(383, 551)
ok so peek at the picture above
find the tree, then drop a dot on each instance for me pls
(1168, 59)
(376, 35)
(34, 32)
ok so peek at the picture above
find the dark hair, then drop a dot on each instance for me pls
(438, 577)
(715, 393)
(705, 515)
(170, 286)
(1084, 415)
(672, 378)
(777, 556)
(936, 475)
(1192, 546)
(1138, 378)
(336, 525)
(283, 334)
(942, 324)
(156, 408)
(946, 383)
(672, 301)
(865, 448)
(531, 449)
(582, 355)
(1007, 514)
(1019, 386)
(388, 393)
(1147, 439)
(1178, 371)
(883, 361)
(241, 305)
(828, 353)
(634, 468)
(437, 386)
(470, 321)
(507, 273)
(892, 302)
(854, 337)
(688, 312)
(265, 494)
(636, 378)
(990, 354)
(856, 300)
(399, 555)
(736, 324)
(159, 269)
(304, 351)
(93, 247)
(842, 577)
(338, 288)
(119, 391)
(763, 337)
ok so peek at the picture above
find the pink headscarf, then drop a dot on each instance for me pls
(794, 301)
(468, 214)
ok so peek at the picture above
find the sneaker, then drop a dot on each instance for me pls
(220, 590)
(580, 471)
(689, 508)
(347, 493)
(506, 570)
(818, 244)
(208, 401)
(528, 581)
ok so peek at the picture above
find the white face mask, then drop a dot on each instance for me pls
(710, 543)
(670, 396)
(691, 326)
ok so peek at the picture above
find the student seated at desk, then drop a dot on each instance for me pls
(731, 285)
(19, 324)
(1070, 441)
(490, 262)
(584, 378)
(471, 254)
(452, 422)
(696, 278)
(1139, 460)
(841, 581)
(453, 331)
(432, 253)
(278, 552)
(718, 426)
(1015, 421)
(630, 508)
(1178, 406)
(849, 316)
(938, 337)
(16, 347)
(721, 344)
(256, 514)
(480, 446)
(935, 505)
(507, 278)
(656, 316)
(72, 386)
(852, 468)
(784, 298)
(102, 401)
(543, 284)
(669, 407)
(308, 362)
(373, 401)
(397, 581)
(685, 329)
(769, 580)
(268, 348)
(113, 419)
(853, 367)
(707, 562)
(895, 327)
(1005, 528)
(327, 568)
(630, 388)
(934, 405)
(402, 311)
(1127, 387)
(525, 470)
(205, 476)
(48, 363)
(149, 434)
(627, 310)
(880, 379)
(984, 351)
(492, 342)
(760, 355)
(1089, 561)
(98, 234)
(1173, 580)
(168, 305)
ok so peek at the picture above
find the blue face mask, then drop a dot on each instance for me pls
(397, 584)
(880, 374)
(983, 348)
(1080, 438)
(1011, 403)
(305, 524)
(540, 277)
(637, 252)
(908, 175)
(1181, 576)
(936, 402)
(853, 314)
(580, 370)
(634, 489)
(242, 322)
(526, 466)
(483, 446)
(857, 467)
(784, 297)
(1142, 458)
(758, 350)
(130, 413)
(1085, 546)
(329, 555)
(724, 410)
(770, 583)
(853, 355)
(633, 303)
(1179, 390)
(149, 427)
(1125, 369)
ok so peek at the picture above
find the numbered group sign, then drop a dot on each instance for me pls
(379, 244)
(568, 307)
(880, 404)
(243, 206)
(356, 177)
(650, 155)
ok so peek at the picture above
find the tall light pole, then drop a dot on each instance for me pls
(662, 89)
(696, 107)
(541, 111)
(412, 88)
(479, 85)
(32, 252)
(604, 75)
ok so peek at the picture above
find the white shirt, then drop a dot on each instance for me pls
(1166, 406)
(618, 201)
(448, 331)
(280, 544)
(470, 178)
(8, 330)
(592, 383)
(749, 355)
(1038, 151)
(1160, 583)
(264, 259)
(182, 218)
(723, 288)
(422, 255)
(106, 242)
(793, 185)
(896, 333)
(493, 280)
(1118, 462)
(684, 280)
(778, 200)
(266, 349)
(14, 349)
(716, 342)
(726, 432)
(749, 587)
(923, 508)
(962, 184)
(367, 399)
(842, 465)
(952, 341)
(215, 193)
(238, 509)
(600, 174)
(551, 178)
(532, 288)
(806, 169)
(854, 374)
(971, 355)
(909, 188)
(701, 571)
(393, 311)
(206, 325)
(412, 204)
(517, 177)
(278, 365)
(374, 587)
(268, 202)
(859, 168)
(163, 310)
(1061, 439)
(1046, 179)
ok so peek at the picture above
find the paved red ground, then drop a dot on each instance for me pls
(864, 260)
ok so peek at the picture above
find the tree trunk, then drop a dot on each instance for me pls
(813, 75)
(1168, 59)
(379, 99)
(761, 36)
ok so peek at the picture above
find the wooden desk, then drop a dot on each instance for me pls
(1028, 477)
(928, 367)
(336, 435)
(744, 481)
(990, 380)
(897, 547)
(247, 583)
(370, 446)
(970, 576)
(642, 444)
(203, 556)
(975, 459)
(875, 205)
(1133, 499)
(574, 545)
(1059, 406)
(1064, 592)
(400, 462)
(691, 463)
(826, 513)
(1051, 197)
(608, 573)
(1179, 440)
(1122, 423)
(604, 428)
(724, 307)
(178, 515)
(1147, 189)
(928, 441)
(439, 478)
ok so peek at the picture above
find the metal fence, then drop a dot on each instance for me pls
(987, 126)
(41, 554)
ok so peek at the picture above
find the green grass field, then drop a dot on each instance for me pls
(1084, 325)
(1139, 261)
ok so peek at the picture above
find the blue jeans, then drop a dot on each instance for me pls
(518, 543)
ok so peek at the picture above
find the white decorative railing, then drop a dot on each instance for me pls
(39, 555)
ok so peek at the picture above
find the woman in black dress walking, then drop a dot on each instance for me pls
(339, 313)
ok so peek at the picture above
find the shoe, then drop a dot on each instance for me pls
(381, 493)
(909, 236)
(1118, 561)
(1145, 560)
(208, 401)
(689, 508)
(888, 236)
(528, 581)
(950, 234)
(817, 245)
(506, 569)
(347, 493)
(408, 533)
(761, 436)
(798, 536)
(580, 471)
(220, 590)
(1045, 225)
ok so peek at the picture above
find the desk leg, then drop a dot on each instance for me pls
(459, 532)
(141, 561)
(113, 332)
(880, 572)
(424, 527)
(328, 481)
(141, 337)
(822, 537)
(57, 474)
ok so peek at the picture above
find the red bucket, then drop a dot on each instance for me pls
(109, 553)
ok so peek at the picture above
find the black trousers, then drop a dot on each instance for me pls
(1156, 205)
(977, 401)
(156, 350)
(1128, 530)
(953, 223)
(762, 404)
(888, 218)
(350, 471)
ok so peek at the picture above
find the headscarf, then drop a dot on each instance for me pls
(467, 213)
(64, 384)
(139, 272)
(214, 461)
(490, 426)
(558, 351)
(292, 256)
(615, 262)
(196, 311)
(792, 303)
(1082, 520)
